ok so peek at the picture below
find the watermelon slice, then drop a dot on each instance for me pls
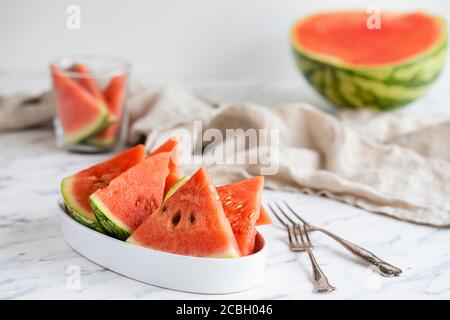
(191, 222)
(86, 81)
(114, 96)
(176, 186)
(81, 114)
(171, 145)
(263, 216)
(242, 202)
(131, 197)
(76, 189)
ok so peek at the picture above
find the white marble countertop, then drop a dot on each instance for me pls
(34, 259)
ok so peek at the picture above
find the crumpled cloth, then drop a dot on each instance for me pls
(397, 164)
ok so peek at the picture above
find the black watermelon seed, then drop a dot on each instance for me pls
(176, 218)
(192, 218)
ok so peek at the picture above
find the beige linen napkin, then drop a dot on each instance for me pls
(396, 164)
(20, 111)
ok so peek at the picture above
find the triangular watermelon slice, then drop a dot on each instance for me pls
(241, 202)
(76, 189)
(176, 186)
(86, 81)
(171, 145)
(191, 222)
(263, 218)
(131, 197)
(114, 96)
(81, 114)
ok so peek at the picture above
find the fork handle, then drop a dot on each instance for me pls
(384, 268)
(320, 279)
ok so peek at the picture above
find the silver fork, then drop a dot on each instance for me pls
(320, 280)
(383, 268)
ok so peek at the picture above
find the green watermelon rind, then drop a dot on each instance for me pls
(232, 253)
(97, 126)
(111, 118)
(106, 219)
(77, 213)
(103, 142)
(384, 87)
(175, 187)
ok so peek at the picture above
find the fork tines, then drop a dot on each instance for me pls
(299, 241)
(297, 233)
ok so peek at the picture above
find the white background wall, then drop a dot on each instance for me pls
(182, 40)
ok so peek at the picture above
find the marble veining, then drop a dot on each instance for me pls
(34, 259)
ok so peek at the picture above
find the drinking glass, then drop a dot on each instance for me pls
(90, 99)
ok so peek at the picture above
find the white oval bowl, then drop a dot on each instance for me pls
(167, 270)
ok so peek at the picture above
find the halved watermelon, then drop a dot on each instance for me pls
(172, 146)
(114, 96)
(242, 202)
(131, 197)
(81, 114)
(358, 64)
(191, 222)
(76, 189)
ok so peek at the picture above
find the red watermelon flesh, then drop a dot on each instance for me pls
(242, 202)
(77, 188)
(171, 145)
(191, 222)
(345, 36)
(131, 197)
(114, 96)
(86, 80)
(81, 114)
(263, 218)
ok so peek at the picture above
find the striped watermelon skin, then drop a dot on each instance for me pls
(382, 88)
